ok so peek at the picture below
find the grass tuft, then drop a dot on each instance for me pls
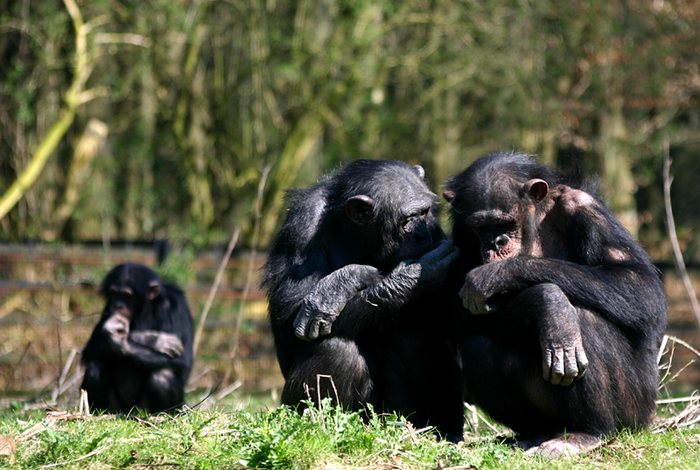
(281, 438)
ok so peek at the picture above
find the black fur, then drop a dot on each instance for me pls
(367, 276)
(597, 290)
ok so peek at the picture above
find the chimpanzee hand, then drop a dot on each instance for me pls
(484, 282)
(563, 357)
(117, 328)
(325, 302)
(426, 273)
(159, 341)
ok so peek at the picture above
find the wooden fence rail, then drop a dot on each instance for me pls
(49, 304)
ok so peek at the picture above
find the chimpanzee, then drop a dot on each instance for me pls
(352, 280)
(566, 312)
(140, 352)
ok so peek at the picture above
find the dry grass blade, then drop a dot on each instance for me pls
(79, 459)
(690, 414)
(687, 417)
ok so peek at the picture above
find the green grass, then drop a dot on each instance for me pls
(280, 438)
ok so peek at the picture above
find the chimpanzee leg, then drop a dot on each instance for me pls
(338, 366)
(97, 385)
(421, 375)
(163, 391)
(504, 368)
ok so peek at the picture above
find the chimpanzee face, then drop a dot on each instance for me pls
(127, 289)
(504, 216)
(418, 231)
(499, 234)
(396, 214)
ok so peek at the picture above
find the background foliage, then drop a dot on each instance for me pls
(195, 99)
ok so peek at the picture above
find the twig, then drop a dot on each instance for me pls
(84, 406)
(479, 416)
(251, 263)
(318, 387)
(64, 372)
(683, 343)
(668, 401)
(671, 224)
(228, 390)
(664, 341)
(212, 292)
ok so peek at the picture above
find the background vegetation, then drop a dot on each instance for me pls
(172, 110)
(128, 120)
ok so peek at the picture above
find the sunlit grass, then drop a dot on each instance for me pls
(280, 438)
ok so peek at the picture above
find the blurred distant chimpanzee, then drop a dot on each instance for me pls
(350, 280)
(566, 310)
(140, 353)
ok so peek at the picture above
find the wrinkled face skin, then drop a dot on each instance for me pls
(506, 220)
(499, 234)
(418, 231)
(400, 214)
(411, 219)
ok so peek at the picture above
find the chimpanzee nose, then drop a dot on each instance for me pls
(501, 241)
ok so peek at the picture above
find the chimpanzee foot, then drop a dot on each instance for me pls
(565, 445)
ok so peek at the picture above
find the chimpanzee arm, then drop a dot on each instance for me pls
(159, 341)
(147, 357)
(627, 294)
(121, 342)
(328, 298)
(406, 282)
(359, 306)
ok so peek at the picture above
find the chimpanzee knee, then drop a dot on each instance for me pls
(338, 367)
(96, 384)
(546, 262)
(163, 391)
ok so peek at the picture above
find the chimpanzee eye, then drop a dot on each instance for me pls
(417, 215)
(407, 221)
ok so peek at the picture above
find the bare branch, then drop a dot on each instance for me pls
(212, 292)
(671, 224)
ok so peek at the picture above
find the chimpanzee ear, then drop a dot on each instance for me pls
(421, 172)
(360, 209)
(449, 195)
(537, 189)
(153, 289)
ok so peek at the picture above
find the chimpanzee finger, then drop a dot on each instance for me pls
(170, 345)
(547, 354)
(570, 366)
(300, 325)
(178, 348)
(557, 367)
(450, 257)
(476, 303)
(443, 249)
(325, 328)
(312, 330)
(582, 360)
